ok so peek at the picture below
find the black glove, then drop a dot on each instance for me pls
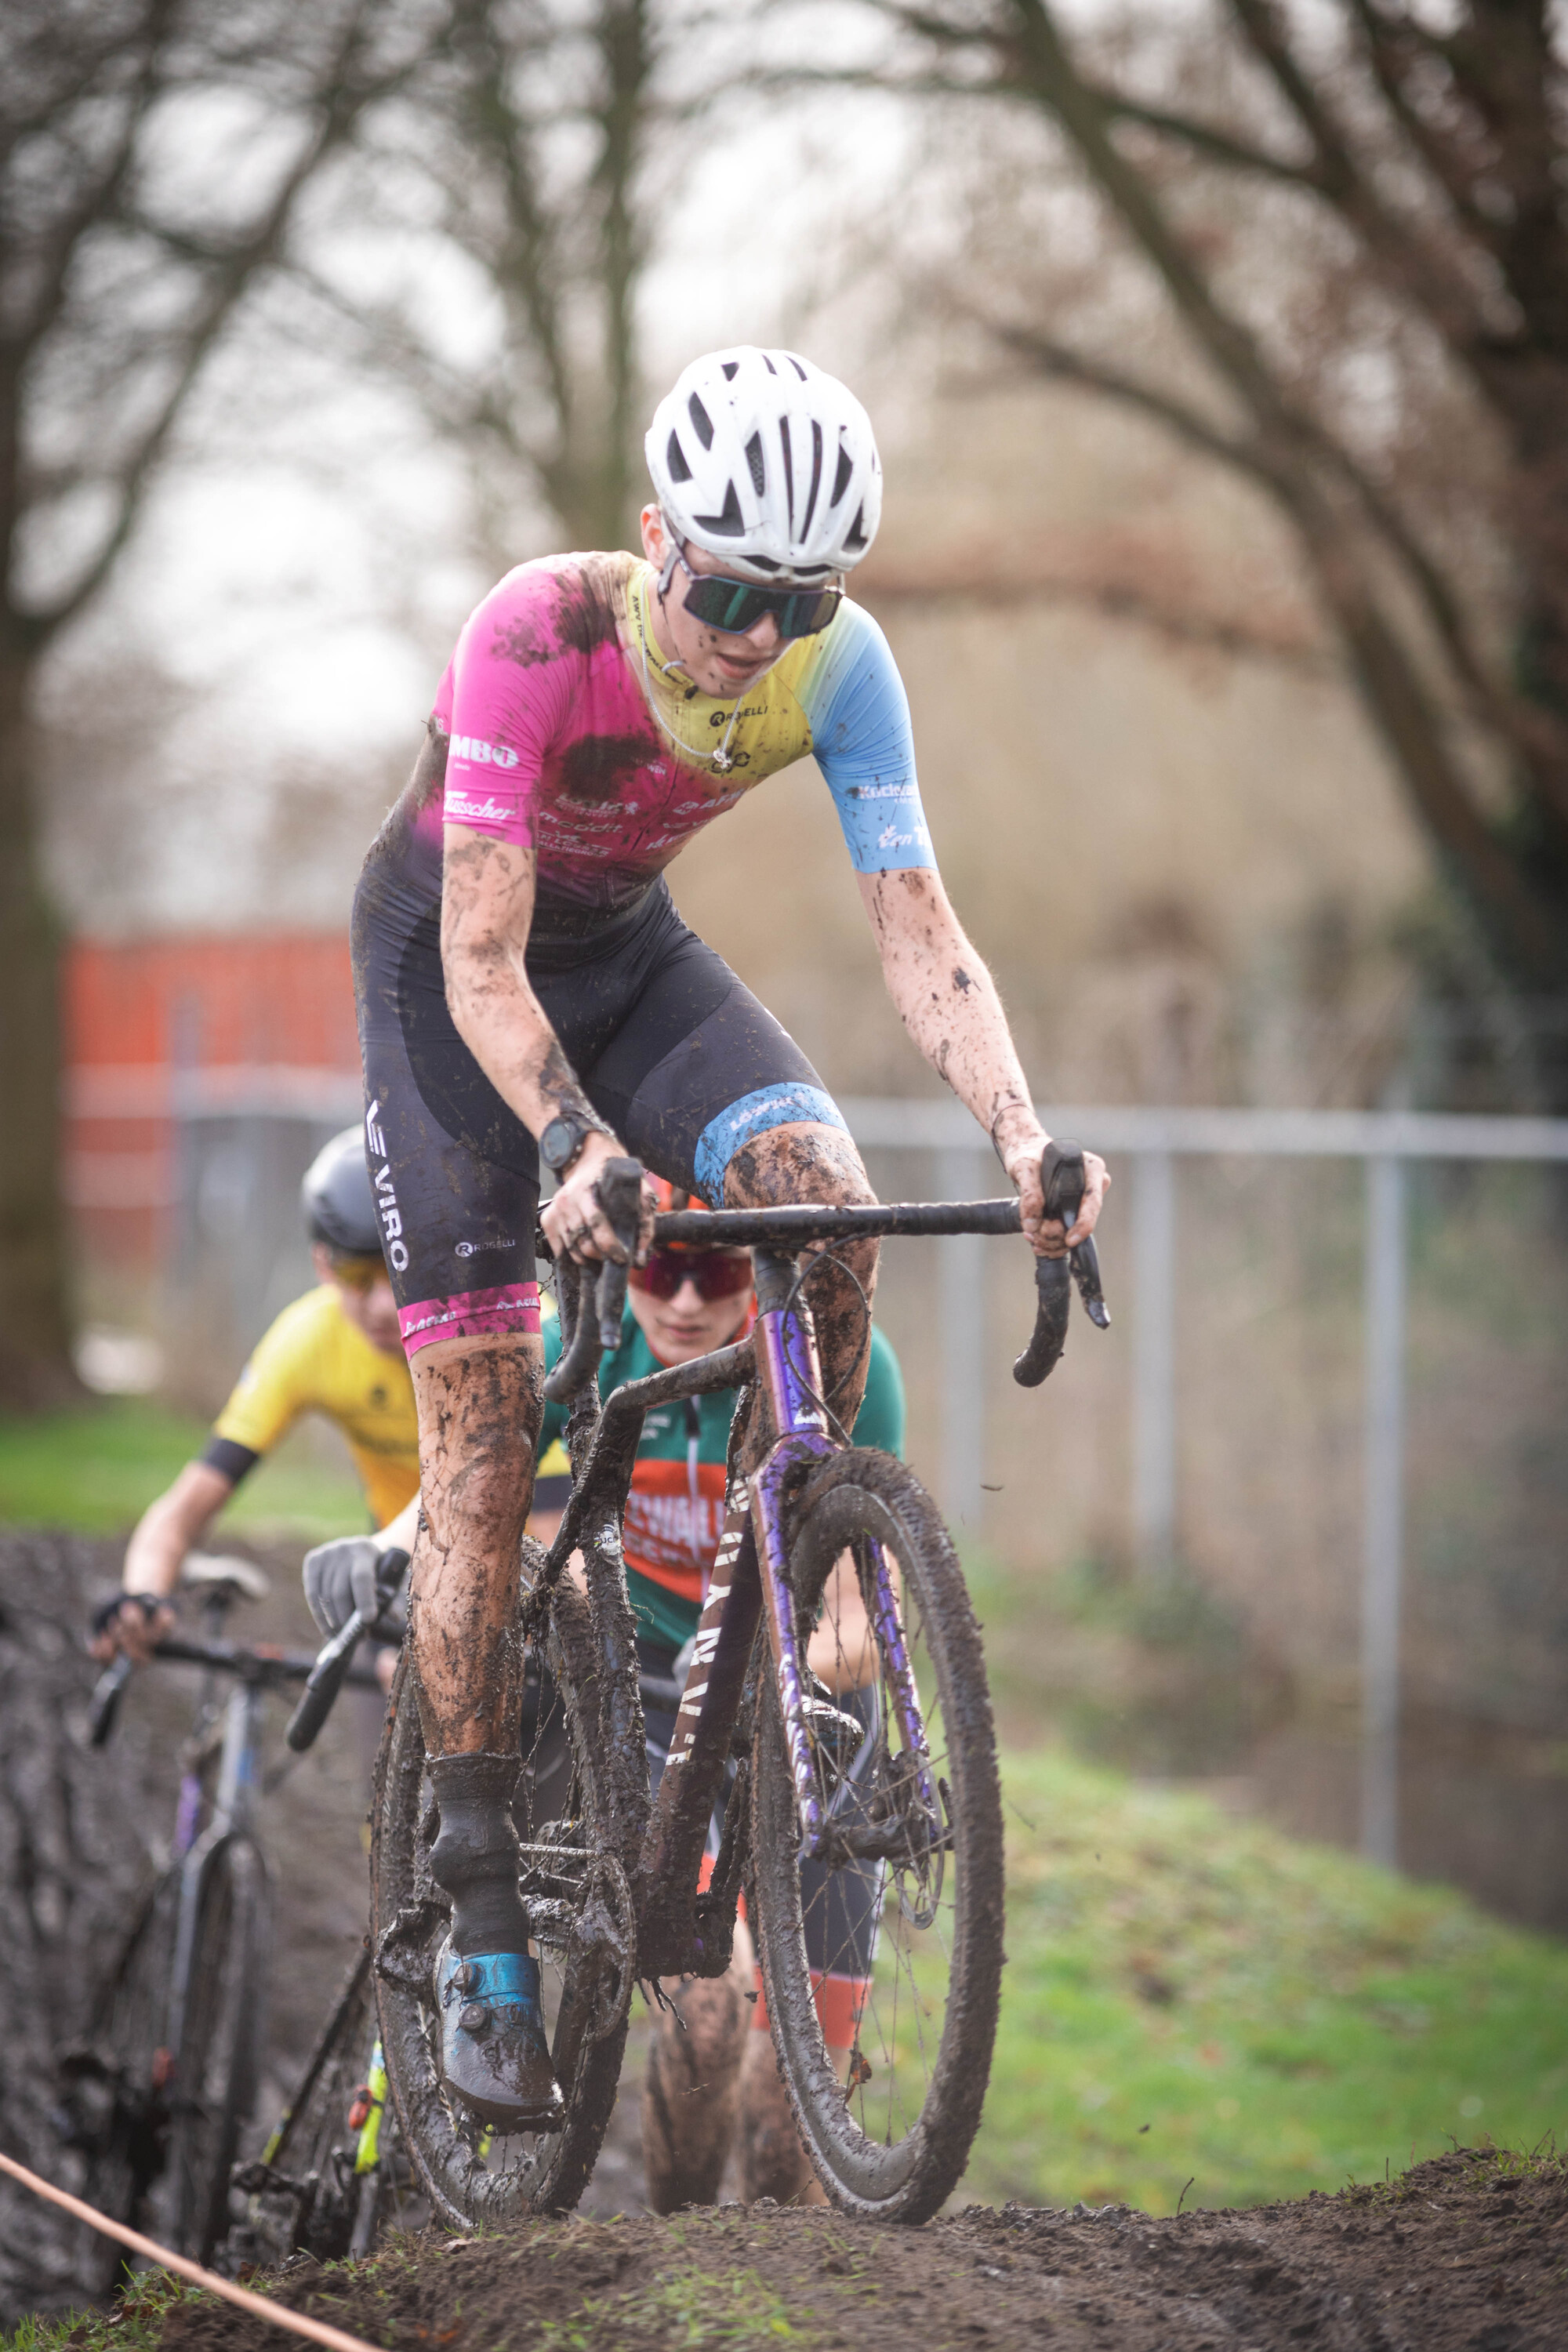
(357, 1572)
(149, 1604)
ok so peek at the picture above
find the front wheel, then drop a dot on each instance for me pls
(882, 1957)
(217, 2062)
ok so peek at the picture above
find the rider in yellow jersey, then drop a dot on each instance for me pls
(335, 1351)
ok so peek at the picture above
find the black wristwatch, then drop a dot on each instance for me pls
(563, 1139)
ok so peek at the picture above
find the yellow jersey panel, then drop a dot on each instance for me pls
(313, 1359)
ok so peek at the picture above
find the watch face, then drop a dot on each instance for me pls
(559, 1141)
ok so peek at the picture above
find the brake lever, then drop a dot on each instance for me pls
(1063, 1179)
(597, 1328)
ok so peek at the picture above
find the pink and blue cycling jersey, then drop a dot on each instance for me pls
(564, 735)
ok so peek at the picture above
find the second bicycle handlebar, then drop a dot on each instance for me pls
(267, 1666)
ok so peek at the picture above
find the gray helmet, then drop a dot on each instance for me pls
(339, 1206)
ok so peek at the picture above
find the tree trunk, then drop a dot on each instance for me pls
(35, 1350)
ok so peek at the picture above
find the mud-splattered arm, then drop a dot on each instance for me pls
(487, 912)
(948, 1001)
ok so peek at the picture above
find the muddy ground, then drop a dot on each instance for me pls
(1467, 2251)
(1462, 2252)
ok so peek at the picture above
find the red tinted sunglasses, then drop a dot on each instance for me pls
(717, 1274)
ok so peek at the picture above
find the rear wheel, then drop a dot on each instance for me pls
(213, 2086)
(115, 2085)
(309, 2189)
(894, 1933)
(579, 1909)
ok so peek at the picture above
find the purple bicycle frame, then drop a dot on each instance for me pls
(750, 1579)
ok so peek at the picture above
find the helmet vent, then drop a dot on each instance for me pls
(843, 478)
(731, 370)
(796, 365)
(754, 460)
(703, 422)
(728, 525)
(815, 475)
(788, 471)
(675, 458)
(769, 365)
(855, 536)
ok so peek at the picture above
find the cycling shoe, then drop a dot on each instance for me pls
(494, 2056)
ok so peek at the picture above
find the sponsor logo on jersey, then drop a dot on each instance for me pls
(478, 1249)
(882, 793)
(891, 838)
(465, 809)
(483, 754)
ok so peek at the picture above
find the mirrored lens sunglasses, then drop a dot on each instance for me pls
(717, 1274)
(737, 605)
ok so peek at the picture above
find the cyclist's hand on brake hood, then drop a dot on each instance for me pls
(341, 1577)
(1021, 1157)
(132, 1623)
(574, 1222)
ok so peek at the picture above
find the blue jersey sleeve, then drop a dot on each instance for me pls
(858, 714)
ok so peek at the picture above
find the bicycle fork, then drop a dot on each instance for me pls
(233, 1807)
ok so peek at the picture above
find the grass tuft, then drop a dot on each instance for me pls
(1191, 1995)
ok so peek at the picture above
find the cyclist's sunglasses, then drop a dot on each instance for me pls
(737, 605)
(358, 1272)
(717, 1274)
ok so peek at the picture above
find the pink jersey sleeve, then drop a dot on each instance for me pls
(504, 699)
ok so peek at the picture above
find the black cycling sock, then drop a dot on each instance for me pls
(476, 1857)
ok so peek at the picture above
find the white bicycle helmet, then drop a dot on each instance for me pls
(767, 461)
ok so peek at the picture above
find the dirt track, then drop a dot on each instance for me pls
(1461, 2253)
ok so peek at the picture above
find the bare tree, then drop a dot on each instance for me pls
(155, 156)
(1413, 161)
(530, 150)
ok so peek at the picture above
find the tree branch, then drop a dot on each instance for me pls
(1447, 296)
(1067, 365)
(1380, 40)
(1205, 139)
(343, 100)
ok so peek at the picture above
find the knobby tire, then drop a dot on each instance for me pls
(564, 1794)
(892, 2144)
(217, 2066)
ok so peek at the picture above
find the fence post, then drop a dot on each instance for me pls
(1383, 1528)
(959, 1337)
(1153, 1361)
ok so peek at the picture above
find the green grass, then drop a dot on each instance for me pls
(1282, 2017)
(95, 1471)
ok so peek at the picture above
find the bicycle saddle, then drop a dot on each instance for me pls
(206, 1570)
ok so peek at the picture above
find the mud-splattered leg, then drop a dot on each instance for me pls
(481, 1404)
(807, 1162)
(772, 2161)
(691, 2091)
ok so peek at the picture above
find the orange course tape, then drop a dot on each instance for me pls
(317, 2330)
